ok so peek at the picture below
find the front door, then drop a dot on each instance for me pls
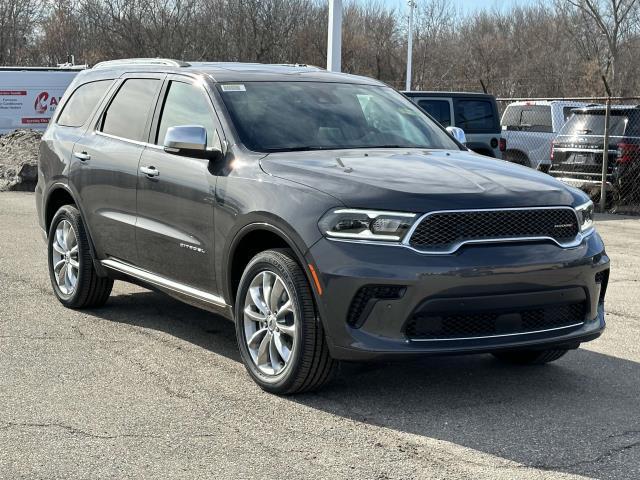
(105, 166)
(176, 194)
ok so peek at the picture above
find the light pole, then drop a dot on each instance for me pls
(411, 4)
(334, 42)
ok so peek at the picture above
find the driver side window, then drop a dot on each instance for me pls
(186, 104)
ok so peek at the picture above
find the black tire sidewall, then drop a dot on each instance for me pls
(72, 215)
(267, 261)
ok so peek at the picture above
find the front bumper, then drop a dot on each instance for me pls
(523, 273)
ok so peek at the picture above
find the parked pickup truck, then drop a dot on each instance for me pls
(528, 128)
(475, 113)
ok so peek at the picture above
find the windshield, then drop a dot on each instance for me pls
(288, 116)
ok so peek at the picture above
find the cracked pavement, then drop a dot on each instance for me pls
(147, 387)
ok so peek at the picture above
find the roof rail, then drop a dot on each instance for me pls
(141, 61)
(298, 65)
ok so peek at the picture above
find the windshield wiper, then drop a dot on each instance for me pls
(298, 149)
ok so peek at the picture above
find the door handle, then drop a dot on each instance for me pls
(150, 171)
(83, 156)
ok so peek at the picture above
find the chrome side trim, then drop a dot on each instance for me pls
(456, 246)
(495, 336)
(128, 140)
(163, 282)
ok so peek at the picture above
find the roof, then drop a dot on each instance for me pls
(600, 109)
(446, 94)
(228, 71)
(567, 103)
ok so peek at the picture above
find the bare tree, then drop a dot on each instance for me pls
(615, 20)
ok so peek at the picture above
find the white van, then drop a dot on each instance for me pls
(29, 96)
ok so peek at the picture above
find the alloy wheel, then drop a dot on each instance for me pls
(269, 323)
(65, 258)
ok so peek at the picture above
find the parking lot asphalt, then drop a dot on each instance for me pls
(147, 387)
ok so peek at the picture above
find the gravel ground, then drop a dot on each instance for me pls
(19, 160)
(147, 387)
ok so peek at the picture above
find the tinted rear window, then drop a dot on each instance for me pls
(438, 109)
(475, 115)
(528, 118)
(127, 115)
(82, 102)
(620, 124)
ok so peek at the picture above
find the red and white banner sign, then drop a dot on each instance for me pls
(28, 99)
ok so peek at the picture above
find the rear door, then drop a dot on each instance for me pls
(105, 165)
(439, 108)
(176, 202)
(478, 117)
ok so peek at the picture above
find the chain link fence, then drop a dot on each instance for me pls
(592, 143)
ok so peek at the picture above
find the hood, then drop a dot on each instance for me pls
(418, 180)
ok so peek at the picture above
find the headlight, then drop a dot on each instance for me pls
(366, 224)
(585, 216)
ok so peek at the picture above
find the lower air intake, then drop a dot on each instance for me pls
(486, 324)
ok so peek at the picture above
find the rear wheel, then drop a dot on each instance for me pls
(73, 277)
(280, 335)
(530, 357)
(515, 156)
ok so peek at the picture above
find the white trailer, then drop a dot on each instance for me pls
(29, 96)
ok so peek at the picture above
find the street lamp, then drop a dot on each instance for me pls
(411, 4)
(334, 42)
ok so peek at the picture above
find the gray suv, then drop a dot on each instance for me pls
(325, 214)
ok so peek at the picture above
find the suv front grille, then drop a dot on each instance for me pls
(449, 326)
(446, 231)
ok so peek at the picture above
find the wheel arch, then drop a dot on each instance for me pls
(254, 238)
(516, 152)
(59, 195)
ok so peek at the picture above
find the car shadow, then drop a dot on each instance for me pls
(578, 415)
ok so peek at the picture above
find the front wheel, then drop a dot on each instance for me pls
(530, 357)
(280, 336)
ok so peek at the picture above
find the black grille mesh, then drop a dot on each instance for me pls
(465, 325)
(365, 298)
(441, 231)
(602, 278)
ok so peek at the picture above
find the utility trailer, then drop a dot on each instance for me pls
(30, 95)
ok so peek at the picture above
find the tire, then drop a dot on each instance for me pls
(296, 330)
(90, 290)
(515, 156)
(530, 357)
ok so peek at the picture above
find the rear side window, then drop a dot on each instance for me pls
(475, 116)
(567, 112)
(186, 104)
(438, 109)
(528, 118)
(127, 115)
(82, 102)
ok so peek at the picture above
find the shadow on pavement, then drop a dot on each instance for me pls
(579, 415)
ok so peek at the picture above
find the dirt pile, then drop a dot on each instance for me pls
(19, 160)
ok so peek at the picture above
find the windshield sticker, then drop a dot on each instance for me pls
(233, 88)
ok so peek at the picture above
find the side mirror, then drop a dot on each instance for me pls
(458, 134)
(188, 140)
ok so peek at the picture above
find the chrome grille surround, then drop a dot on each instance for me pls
(571, 237)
